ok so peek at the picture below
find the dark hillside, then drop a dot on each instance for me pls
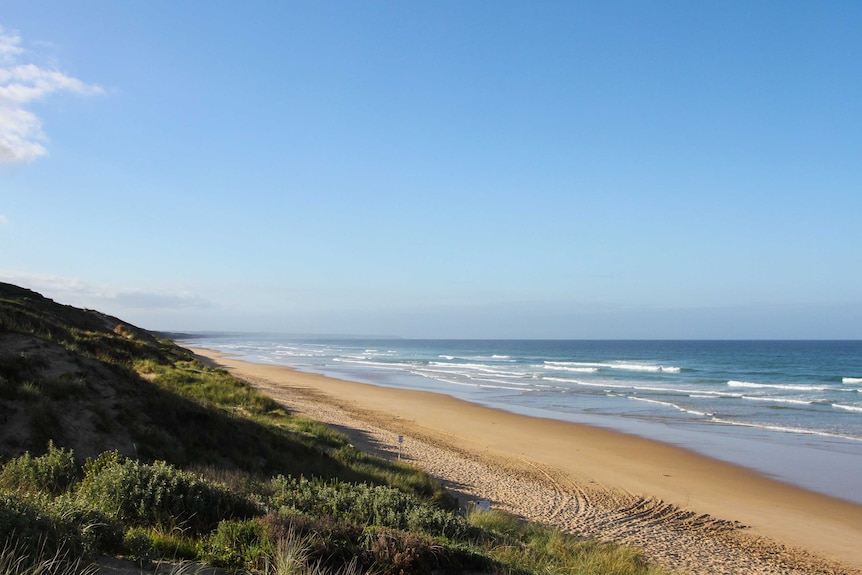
(90, 382)
(26, 311)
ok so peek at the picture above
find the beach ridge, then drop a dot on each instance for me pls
(686, 512)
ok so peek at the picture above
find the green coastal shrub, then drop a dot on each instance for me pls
(42, 524)
(94, 530)
(365, 505)
(238, 544)
(26, 525)
(300, 545)
(54, 472)
(396, 552)
(159, 495)
(334, 544)
(146, 544)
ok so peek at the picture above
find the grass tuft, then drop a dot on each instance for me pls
(16, 559)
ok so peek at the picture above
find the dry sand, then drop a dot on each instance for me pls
(688, 513)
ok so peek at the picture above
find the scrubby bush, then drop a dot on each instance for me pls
(159, 495)
(41, 527)
(303, 546)
(96, 531)
(396, 552)
(137, 545)
(22, 521)
(364, 504)
(238, 544)
(145, 544)
(333, 544)
(54, 472)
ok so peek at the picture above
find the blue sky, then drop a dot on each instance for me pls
(438, 169)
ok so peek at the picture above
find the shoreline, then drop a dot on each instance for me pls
(767, 452)
(588, 480)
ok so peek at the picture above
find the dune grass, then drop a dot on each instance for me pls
(15, 559)
(533, 548)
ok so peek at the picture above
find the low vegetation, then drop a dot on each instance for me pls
(120, 444)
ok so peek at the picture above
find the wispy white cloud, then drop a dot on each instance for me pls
(63, 289)
(21, 133)
(109, 299)
(160, 300)
(10, 45)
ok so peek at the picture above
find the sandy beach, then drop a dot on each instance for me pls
(686, 512)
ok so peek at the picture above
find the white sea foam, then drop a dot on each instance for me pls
(521, 386)
(469, 383)
(621, 365)
(851, 380)
(776, 399)
(504, 358)
(609, 385)
(287, 353)
(463, 365)
(503, 374)
(481, 374)
(790, 387)
(602, 385)
(655, 401)
(467, 368)
(376, 364)
(784, 429)
(673, 405)
(576, 363)
(506, 387)
(452, 381)
(573, 369)
(645, 367)
(857, 408)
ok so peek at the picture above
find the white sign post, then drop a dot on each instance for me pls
(400, 442)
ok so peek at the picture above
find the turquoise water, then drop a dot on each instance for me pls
(790, 409)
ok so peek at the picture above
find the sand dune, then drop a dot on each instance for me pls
(686, 512)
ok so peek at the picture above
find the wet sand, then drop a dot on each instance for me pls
(687, 512)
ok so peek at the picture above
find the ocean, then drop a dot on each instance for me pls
(789, 409)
